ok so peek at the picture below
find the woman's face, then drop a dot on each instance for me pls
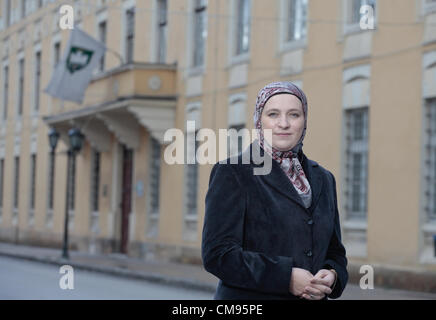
(283, 114)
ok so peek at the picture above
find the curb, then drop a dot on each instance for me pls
(147, 276)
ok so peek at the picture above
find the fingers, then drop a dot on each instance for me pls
(320, 281)
(311, 296)
(317, 290)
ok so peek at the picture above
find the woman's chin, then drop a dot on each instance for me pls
(283, 146)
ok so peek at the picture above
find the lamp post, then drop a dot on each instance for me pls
(76, 142)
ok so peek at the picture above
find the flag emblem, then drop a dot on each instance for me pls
(78, 58)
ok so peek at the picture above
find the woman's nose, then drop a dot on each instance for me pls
(283, 122)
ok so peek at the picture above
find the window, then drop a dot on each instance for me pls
(32, 187)
(2, 178)
(51, 180)
(297, 20)
(429, 6)
(242, 26)
(192, 175)
(102, 31)
(72, 168)
(95, 181)
(23, 8)
(5, 92)
(37, 79)
(20, 86)
(430, 161)
(8, 13)
(57, 53)
(354, 10)
(356, 163)
(16, 183)
(154, 176)
(130, 34)
(200, 32)
(40, 4)
(162, 30)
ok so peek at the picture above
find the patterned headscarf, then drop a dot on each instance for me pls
(288, 159)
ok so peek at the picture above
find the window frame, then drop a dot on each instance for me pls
(162, 31)
(355, 147)
(5, 97)
(428, 8)
(234, 57)
(37, 81)
(199, 39)
(129, 34)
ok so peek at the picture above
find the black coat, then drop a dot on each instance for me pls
(256, 229)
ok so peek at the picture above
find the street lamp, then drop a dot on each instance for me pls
(76, 141)
(53, 137)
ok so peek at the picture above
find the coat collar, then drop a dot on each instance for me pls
(278, 180)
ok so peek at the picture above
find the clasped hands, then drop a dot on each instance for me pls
(311, 287)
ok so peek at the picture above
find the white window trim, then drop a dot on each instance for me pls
(427, 228)
(154, 37)
(283, 14)
(2, 180)
(49, 212)
(127, 5)
(153, 27)
(234, 59)
(20, 55)
(193, 112)
(348, 29)
(34, 113)
(31, 211)
(3, 123)
(352, 228)
(94, 215)
(152, 217)
(192, 71)
(15, 210)
(427, 8)
(101, 17)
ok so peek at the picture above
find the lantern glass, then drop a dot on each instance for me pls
(76, 139)
(53, 137)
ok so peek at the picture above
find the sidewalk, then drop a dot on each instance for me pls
(195, 277)
(182, 275)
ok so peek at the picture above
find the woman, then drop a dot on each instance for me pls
(275, 236)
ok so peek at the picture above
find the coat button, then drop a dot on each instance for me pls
(309, 253)
(310, 222)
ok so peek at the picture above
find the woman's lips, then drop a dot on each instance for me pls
(283, 134)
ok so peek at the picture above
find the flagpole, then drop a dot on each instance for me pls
(116, 54)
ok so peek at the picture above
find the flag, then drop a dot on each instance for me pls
(73, 73)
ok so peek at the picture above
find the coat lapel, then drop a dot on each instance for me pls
(278, 181)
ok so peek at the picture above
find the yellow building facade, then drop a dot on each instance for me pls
(371, 88)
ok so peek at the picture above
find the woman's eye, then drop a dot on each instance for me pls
(295, 115)
(273, 114)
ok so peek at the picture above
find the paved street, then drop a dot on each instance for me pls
(22, 279)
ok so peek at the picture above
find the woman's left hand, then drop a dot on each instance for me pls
(320, 285)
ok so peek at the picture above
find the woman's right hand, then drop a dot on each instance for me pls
(301, 285)
(300, 279)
